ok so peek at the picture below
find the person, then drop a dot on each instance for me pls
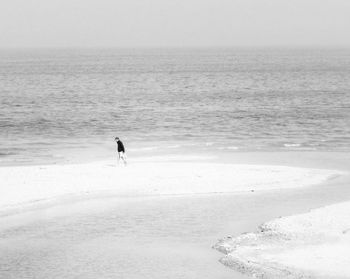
(120, 150)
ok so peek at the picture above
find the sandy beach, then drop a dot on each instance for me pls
(237, 196)
(31, 185)
(311, 245)
(314, 244)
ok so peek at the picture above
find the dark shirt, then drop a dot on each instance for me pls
(120, 146)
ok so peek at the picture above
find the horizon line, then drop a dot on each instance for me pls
(184, 47)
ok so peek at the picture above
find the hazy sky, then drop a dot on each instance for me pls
(162, 23)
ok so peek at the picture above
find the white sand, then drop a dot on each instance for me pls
(23, 185)
(311, 245)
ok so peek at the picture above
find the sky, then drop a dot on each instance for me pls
(174, 23)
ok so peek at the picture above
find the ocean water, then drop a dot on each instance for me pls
(60, 104)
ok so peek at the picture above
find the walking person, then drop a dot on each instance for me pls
(120, 150)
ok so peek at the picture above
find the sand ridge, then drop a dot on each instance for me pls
(21, 185)
(311, 245)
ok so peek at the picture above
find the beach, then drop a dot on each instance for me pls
(26, 185)
(167, 205)
(312, 244)
(222, 143)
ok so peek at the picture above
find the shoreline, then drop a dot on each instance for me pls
(315, 244)
(310, 244)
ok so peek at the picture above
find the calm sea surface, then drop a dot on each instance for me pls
(56, 103)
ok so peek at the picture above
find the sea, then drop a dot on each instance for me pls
(67, 104)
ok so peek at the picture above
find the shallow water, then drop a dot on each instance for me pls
(163, 237)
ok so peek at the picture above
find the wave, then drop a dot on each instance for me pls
(292, 145)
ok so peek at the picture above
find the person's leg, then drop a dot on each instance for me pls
(123, 157)
(118, 159)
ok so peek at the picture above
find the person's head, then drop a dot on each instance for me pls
(116, 139)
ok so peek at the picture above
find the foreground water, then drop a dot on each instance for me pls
(55, 104)
(159, 237)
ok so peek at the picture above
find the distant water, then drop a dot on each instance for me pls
(57, 104)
